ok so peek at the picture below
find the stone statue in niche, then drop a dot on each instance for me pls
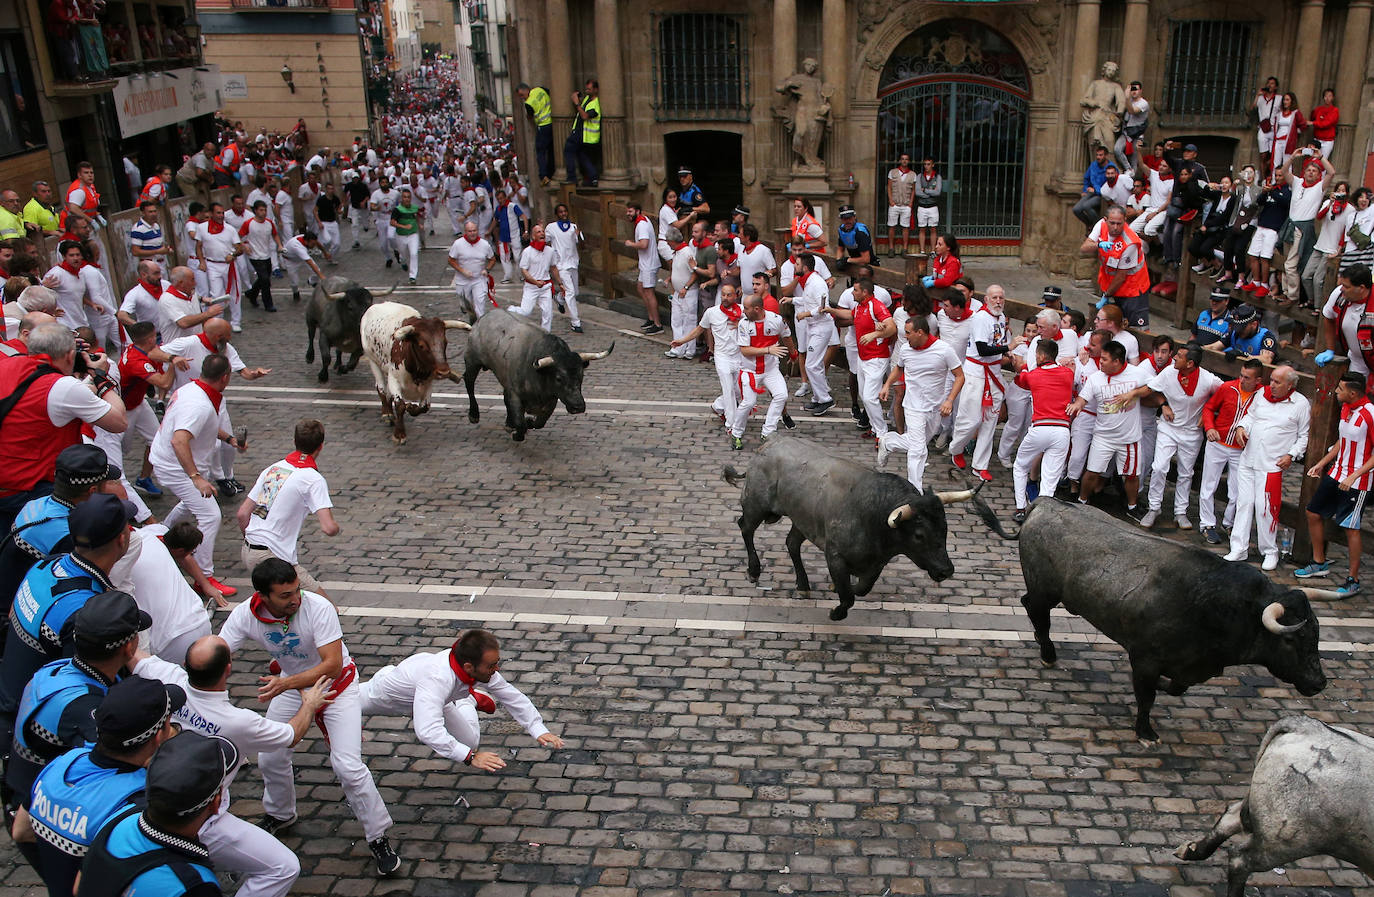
(805, 110)
(1103, 105)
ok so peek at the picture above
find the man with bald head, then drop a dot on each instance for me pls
(269, 868)
(141, 302)
(179, 311)
(19, 343)
(1272, 435)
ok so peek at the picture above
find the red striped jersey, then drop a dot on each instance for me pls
(1357, 442)
(760, 335)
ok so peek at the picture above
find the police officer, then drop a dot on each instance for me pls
(689, 193)
(855, 239)
(1248, 338)
(57, 709)
(41, 528)
(76, 794)
(54, 589)
(1213, 327)
(539, 105)
(182, 792)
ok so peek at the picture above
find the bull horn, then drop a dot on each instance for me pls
(595, 356)
(905, 512)
(949, 498)
(335, 297)
(404, 332)
(1322, 594)
(392, 290)
(545, 362)
(1270, 618)
(457, 325)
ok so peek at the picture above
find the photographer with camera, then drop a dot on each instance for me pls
(42, 407)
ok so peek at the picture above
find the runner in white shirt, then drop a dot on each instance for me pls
(925, 363)
(472, 259)
(980, 401)
(787, 274)
(760, 338)
(217, 247)
(301, 633)
(150, 574)
(1089, 362)
(754, 257)
(453, 196)
(1160, 357)
(1048, 326)
(438, 691)
(565, 236)
(285, 210)
(295, 255)
(285, 493)
(383, 200)
(851, 344)
(73, 293)
(540, 278)
(179, 311)
(721, 322)
(685, 297)
(261, 243)
(140, 303)
(1018, 400)
(267, 867)
(643, 243)
(811, 294)
(1116, 428)
(190, 236)
(1273, 435)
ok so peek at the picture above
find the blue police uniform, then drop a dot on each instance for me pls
(1209, 329)
(1251, 345)
(691, 196)
(56, 713)
(39, 530)
(72, 800)
(857, 239)
(130, 858)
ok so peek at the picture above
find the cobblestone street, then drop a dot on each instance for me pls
(722, 738)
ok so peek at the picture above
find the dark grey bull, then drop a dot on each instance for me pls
(536, 370)
(860, 517)
(1310, 795)
(1180, 611)
(336, 310)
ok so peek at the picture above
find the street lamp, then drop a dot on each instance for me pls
(287, 75)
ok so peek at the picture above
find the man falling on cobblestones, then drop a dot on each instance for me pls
(438, 690)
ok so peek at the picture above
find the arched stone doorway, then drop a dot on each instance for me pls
(958, 91)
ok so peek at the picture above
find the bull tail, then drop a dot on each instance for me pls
(732, 476)
(980, 507)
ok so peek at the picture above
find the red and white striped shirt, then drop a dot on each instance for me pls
(1357, 442)
(760, 335)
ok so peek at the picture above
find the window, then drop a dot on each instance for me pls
(701, 67)
(21, 128)
(1210, 75)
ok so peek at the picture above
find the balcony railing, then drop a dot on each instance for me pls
(280, 5)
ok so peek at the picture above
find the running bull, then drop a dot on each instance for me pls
(407, 353)
(536, 370)
(336, 311)
(1309, 796)
(1180, 611)
(860, 517)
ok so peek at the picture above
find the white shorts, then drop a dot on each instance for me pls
(1263, 242)
(648, 277)
(1266, 140)
(899, 216)
(1102, 453)
(928, 217)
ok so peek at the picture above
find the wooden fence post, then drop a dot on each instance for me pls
(609, 233)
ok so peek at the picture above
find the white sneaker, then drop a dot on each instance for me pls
(1183, 522)
(1237, 555)
(1005, 462)
(942, 442)
(883, 452)
(1271, 561)
(803, 391)
(236, 328)
(1149, 519)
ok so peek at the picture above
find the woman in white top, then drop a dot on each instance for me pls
(1359, 233)
(668, 218)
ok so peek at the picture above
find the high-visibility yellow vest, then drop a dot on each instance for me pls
(541, 106)
(591, 127)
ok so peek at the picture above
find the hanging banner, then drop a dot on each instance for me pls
(154, 100)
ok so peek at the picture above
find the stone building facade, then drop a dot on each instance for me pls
(991, 90)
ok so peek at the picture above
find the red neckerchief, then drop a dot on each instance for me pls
(749, 247)
(301, 459)
(86, 264)
(930, 340)
(1189, 380)
(730, 259)
(1153, 366)
(212, 227)
(1269, 396)
(928, 177)
(1335, 208)
(66, 266)
(205, 341)
(154, 289)
(1311, 185)
(178, 293)
(538, 245)
(801, 280)
(216, 397)
(484, 702)
(1165, 177)
(472, 240)
(258, 608)
(732, 312)
(903, 168)
(639, 219)
(964, 317)
(705, 241)
(677, 246)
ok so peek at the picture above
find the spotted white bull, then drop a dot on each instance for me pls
(407, 353)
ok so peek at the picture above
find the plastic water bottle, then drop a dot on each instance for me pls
(1286, 541)
(851, 180)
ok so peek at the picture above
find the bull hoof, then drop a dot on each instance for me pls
(1148, 737)
(388, 419)
(309, 355)
(753, 577)
(839, 613)
(473, 418)
(1186, 851)
(323, 377)
(399, 440)
(518, 436)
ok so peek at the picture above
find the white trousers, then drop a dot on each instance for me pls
(344, 720)
(536, 297)
(269, 868)
(385, 235)
(112, 444)
(817, 345)
(217, 279)
(192, 505)
(1173, 441)
(409, 247)
(1080, 440)
(202, 281)
(288, 222)
(569, 277)
(509, 254)
(871, 373)
(974, 417)
(460, 717)
(728, 401)
(1048, 440)
(1018, 419)
(222, 460)
(455, 215)
(475, 294)
(920, 427)
(174, 647)
(750, 384)
(1257, 501)
(684, 320)
(1216, 458)
(329, 237)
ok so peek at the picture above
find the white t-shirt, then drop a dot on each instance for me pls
(1130, 344)
(172, 308)
(648, 258)
(927, 372)
(150, 574)
(295, 249)
(1332, 234)
(71, 292)
(295, 644)
(189, 409)
(217, 247)
(666, 218)
(1306, 201)
(564, 243)
(985, 327)
(956, 333)
(684, 261)
(1187, 408)
(194, 348)
(70, 399)
(768, 332)
(472, 257)
(1068, 349)
(751, 263)
(284, 496)
(536, 264)
(382, 202)
(1350, 325)
(788, 272)
(726, 335)
(141, 304)
(1121, 427)
(259, 237)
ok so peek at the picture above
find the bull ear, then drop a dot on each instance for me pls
(545, 362)
(905, 512)
(1270, 619)
(406, 332)
(457, 325)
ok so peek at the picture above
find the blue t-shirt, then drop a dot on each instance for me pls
(1210, 330)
